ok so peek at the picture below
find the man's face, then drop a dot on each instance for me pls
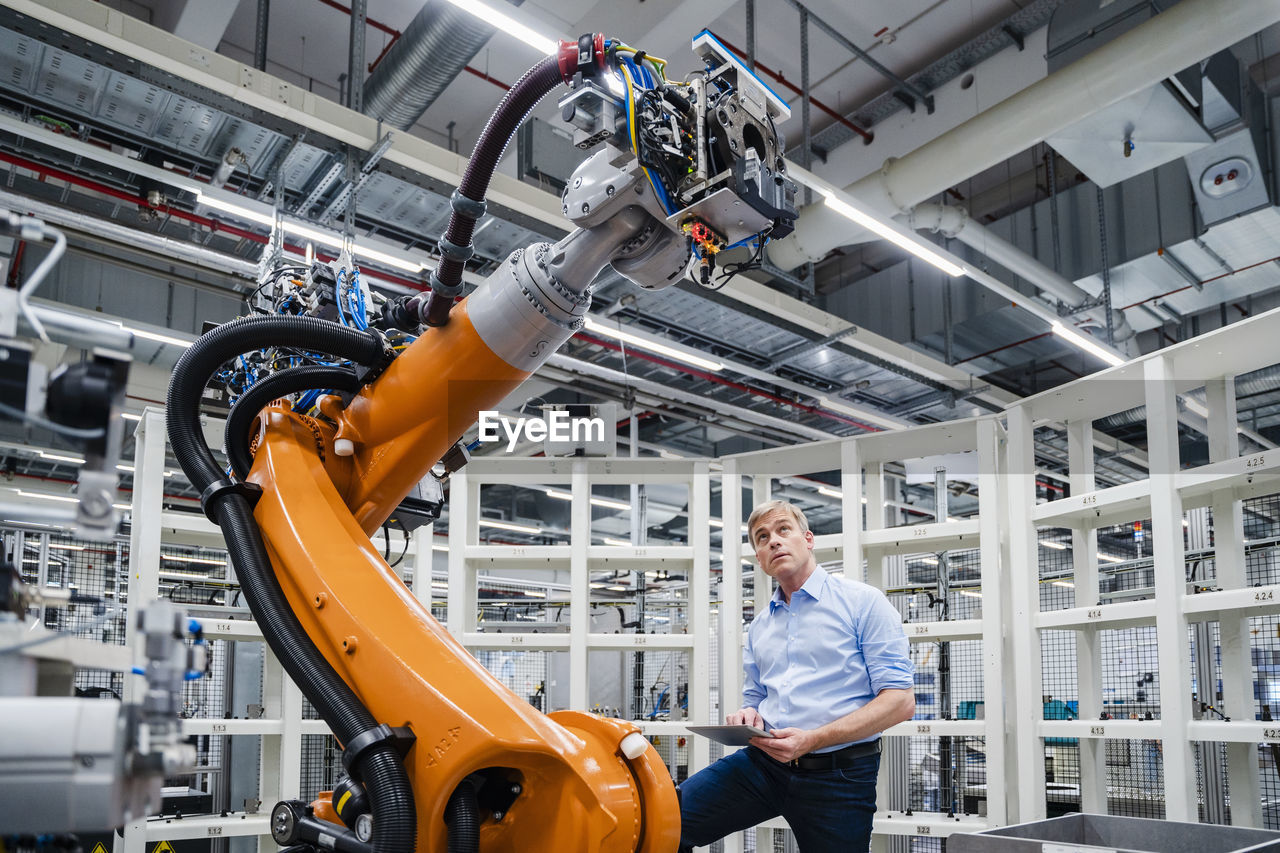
(782, 548)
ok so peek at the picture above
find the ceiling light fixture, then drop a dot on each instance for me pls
(653, 346)
(1057, 546)
(1083, 342)
(508, 23)
(1066, 584)
(1110, 558)
(621, 543)
(896, 234)
(156, 336)
(58, 457)
(178, 558)
(600, 502)
(506, 525)
(44, 497)
(237, 210)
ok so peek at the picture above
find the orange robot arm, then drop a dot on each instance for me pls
(440, 754)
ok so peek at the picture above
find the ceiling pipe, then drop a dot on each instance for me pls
(433, 50)
(1159, 48)
(956, 223)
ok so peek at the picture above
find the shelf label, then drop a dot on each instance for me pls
(1098, 731)
(1093, 613)
(923, 729)
(1254, 462)
(1265, 595)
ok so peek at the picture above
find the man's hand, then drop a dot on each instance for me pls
(786, 744)
(745, 717)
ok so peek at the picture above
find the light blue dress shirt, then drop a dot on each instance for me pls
(827, 653)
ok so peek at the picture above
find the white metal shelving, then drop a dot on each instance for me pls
(468, 557)
(1209, 362)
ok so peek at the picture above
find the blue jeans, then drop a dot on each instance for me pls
(829, 811)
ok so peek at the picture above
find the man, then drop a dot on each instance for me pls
(826, 671)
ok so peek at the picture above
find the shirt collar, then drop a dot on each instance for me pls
(814, 586)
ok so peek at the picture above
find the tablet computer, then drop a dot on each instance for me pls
(730, 735)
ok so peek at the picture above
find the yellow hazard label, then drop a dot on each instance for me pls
(98, 848)
(162, 847)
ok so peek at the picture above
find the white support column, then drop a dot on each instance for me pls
(1229, 560)
(762, 591)
(144, 532)
(700, 607)
(463, 515)
(762, 490)
(730, 590)
(579, 584)
(1084, 551)
(1027, 800)
(851, 514)
(990, 506)
(271, 783)
(1170, 588)
(422, 557)
(144, 568)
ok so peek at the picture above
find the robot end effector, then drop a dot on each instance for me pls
(687, 170)
(703, 159)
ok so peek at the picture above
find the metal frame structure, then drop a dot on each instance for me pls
(467, 557)
(1209, 362)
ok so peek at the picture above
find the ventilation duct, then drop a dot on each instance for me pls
(1261, 381)
(429, 54)
(1147, 129)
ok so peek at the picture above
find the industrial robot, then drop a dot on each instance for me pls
(344, 401)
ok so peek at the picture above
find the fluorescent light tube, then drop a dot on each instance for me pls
(182, 575)
(177, 558)
(621, 543)
(324, 238)
(63, 498)
(969, 593)
(156, 336)
(653, 346)
(387, 260)
(1066, 584)
(235, 209)
(1082, 342)
(501, 20)
(1111, 559)
(1057, 546)
(903, 239)
(506, 525)
(59, 547)
(58, 457)
(600, 502)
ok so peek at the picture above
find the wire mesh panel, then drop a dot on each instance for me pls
(1135, 778)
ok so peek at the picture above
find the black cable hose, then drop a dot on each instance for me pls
(395, 818)
(285, 382)
(506, 119)
(462, 816)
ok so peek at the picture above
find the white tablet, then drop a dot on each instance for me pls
(730, 735)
